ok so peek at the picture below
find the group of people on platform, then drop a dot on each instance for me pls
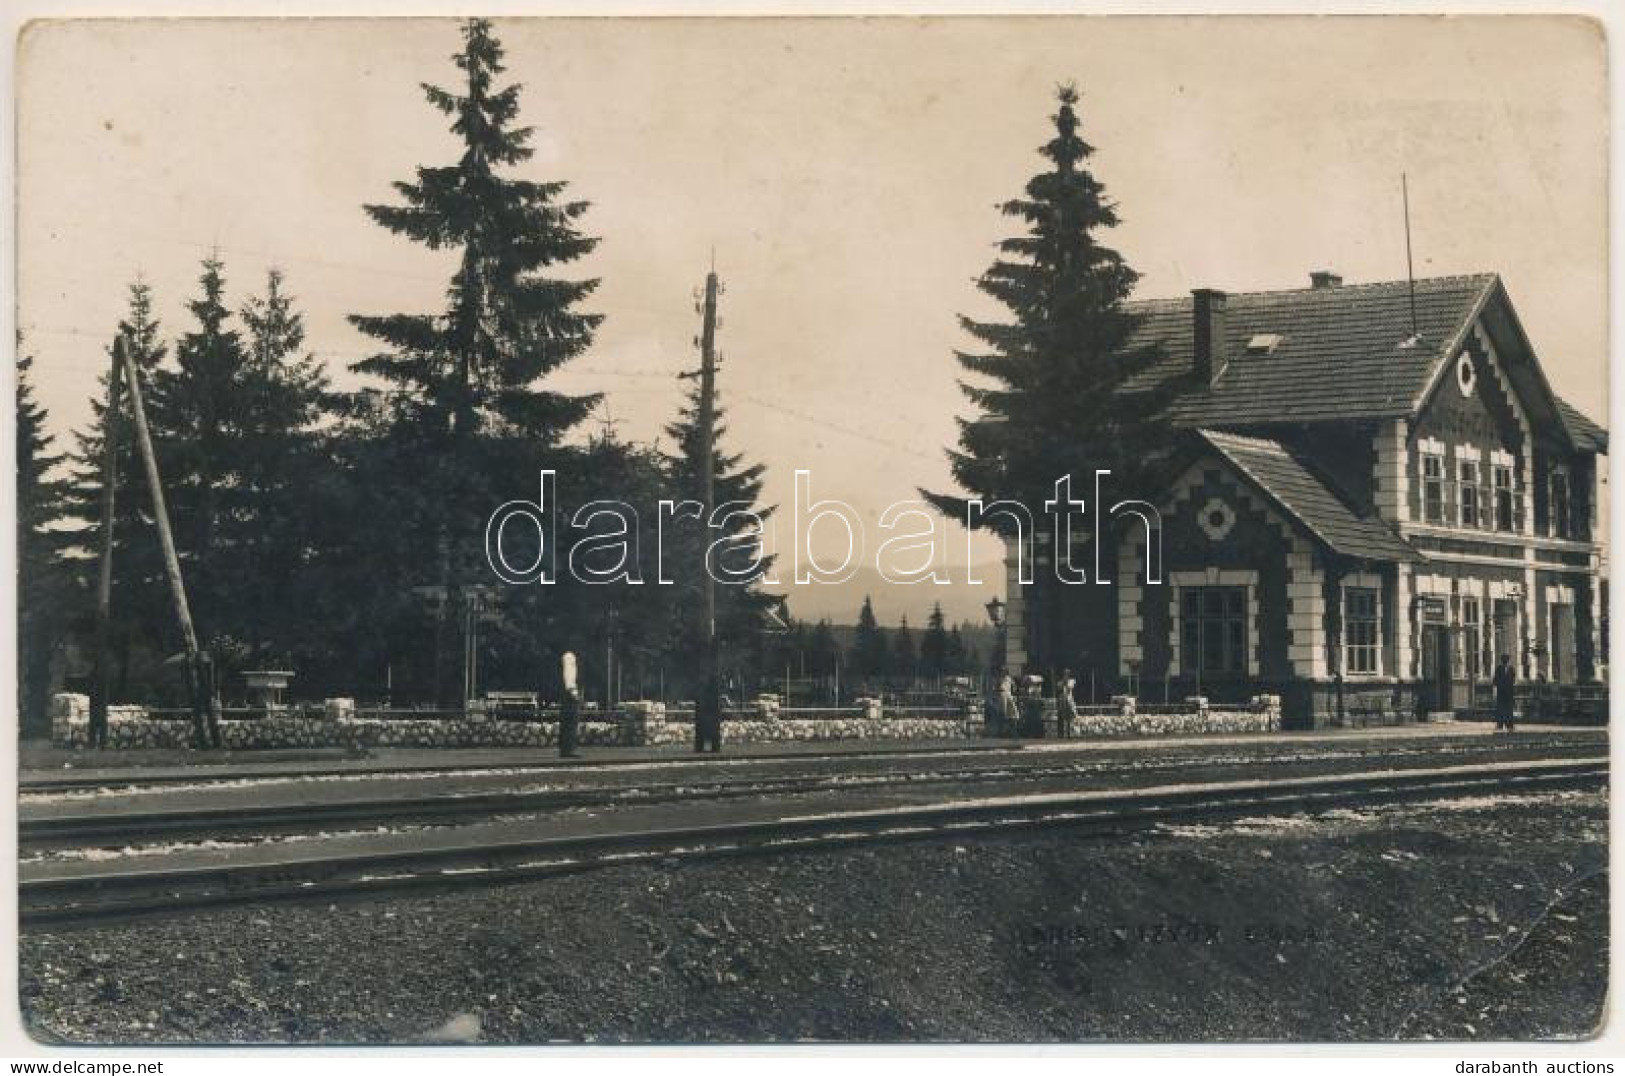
(707, 713)
(1016, 705)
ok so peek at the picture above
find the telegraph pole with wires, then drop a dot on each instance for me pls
(708, 435)
(1410, 267)
(102, 685)
(199, 668)
(707, 374)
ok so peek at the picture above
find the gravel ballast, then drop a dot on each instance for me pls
(1463, 920)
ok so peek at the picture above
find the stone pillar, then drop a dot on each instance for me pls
(1015, 608)
(1125, 704)
(1391, 486)
(1130, 616)
(67, 709)
(1198, 703)
(1306, 621)
(642, 722)
(338, 709)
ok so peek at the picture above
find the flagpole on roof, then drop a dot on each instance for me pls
(1410, 271)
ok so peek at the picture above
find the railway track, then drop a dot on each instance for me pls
(131, 889)
(235, 773)
(974, 753)
(97, 825)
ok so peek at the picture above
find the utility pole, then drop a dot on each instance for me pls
(707, 373)
(708, 390)
(202, 689)
(104, 579)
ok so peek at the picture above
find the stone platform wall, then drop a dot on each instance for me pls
(639, 724)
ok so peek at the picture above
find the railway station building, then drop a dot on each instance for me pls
(1372, 492)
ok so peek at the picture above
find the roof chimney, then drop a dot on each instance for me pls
(1207, 309)
(1324, 278)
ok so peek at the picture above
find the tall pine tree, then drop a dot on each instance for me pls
(474, 372)
(904, 660)
(233, 426)
(742, 605)
(141, 614)
(281, 468)
(41, 579)
(870, 657)
(934, 645)
(1045, 378)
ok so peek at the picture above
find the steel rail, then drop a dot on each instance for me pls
(127, 826)
(114, 895)
(538, 765)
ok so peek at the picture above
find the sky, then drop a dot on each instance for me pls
(843, 172)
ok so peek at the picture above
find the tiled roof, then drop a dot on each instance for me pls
(1589, 436)
(1338, 357)
(1291, 485)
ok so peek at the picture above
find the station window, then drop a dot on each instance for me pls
(1472, 638)
(1561, 518)
(1362, 630)
(1505, 517)
(1213, 629)
(1432, 487)
(1471, 513)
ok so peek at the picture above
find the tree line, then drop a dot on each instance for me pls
(340, 534)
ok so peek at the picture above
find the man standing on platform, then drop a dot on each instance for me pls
(569, 707)
(708, 717)
(1504, 680)
(1065, 708)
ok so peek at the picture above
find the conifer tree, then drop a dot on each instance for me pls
(741, 604)
(934, 645)
(41, 579)
(473, 373)
(904, 660)
(233, 426)
(958, 661)
(823, 653)
(140, 600)
(1045, 379)
(869, 650)
(282, 465)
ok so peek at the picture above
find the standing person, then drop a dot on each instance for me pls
(1009, 714)
(708, 717)
(1504, 680)
(1065, 708)
(206, 707)
(569, 707)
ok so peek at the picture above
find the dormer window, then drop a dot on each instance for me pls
(1264, 343)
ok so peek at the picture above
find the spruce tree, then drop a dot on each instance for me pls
(934, 645)
(41, 580)
(1045, 378)
(823, 652)
(196, 410)
(957, 661)
(477, 364)
(141, 613)
(282, 467)
(474, 371)
(869, 651)
(904, 659)
(741, 604)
